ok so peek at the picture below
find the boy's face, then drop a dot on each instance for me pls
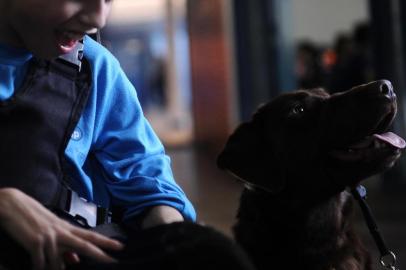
(49, 28)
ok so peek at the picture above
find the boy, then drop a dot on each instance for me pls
(67, 133)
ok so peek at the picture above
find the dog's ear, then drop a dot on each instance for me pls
(247, 156)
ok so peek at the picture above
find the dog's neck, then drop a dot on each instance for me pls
(306, 233)
(260, 204)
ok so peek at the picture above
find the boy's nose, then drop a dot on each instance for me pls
(95, 13)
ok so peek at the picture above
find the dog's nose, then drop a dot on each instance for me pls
(386, 89)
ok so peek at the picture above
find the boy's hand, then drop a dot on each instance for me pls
(161, 214)
(50, 241)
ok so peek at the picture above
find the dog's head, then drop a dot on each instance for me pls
(304, 139)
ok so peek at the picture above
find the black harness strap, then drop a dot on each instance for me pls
(36, 124)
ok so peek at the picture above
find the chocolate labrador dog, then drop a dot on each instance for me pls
(297, 155)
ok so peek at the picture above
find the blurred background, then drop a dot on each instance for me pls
(200, 67)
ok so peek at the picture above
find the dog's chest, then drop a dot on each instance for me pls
(311, 236)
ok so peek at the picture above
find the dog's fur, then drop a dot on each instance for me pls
(297, 155)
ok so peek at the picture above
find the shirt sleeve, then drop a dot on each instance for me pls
(135, 168)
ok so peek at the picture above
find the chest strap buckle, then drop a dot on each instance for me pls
(86, 213)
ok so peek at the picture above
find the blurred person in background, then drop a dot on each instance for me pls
(354, 60)
(308, 68)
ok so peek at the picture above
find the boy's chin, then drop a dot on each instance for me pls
(45, 50)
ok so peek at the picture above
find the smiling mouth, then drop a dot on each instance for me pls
(67, 40)
(376, 141)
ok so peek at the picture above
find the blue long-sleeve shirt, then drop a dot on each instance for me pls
(114, 155)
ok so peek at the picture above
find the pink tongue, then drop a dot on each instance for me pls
(67, 42)
(392, 139)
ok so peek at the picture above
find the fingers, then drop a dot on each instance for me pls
(45, 254)
(98, 239)
(65, 242)
(71, 257)
(52, 251)
(88, 248)
(45, 236)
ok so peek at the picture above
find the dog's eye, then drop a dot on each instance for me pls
(298, 109)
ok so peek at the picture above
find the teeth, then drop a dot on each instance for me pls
(92, 31)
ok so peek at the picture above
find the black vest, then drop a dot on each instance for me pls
(36, 124)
